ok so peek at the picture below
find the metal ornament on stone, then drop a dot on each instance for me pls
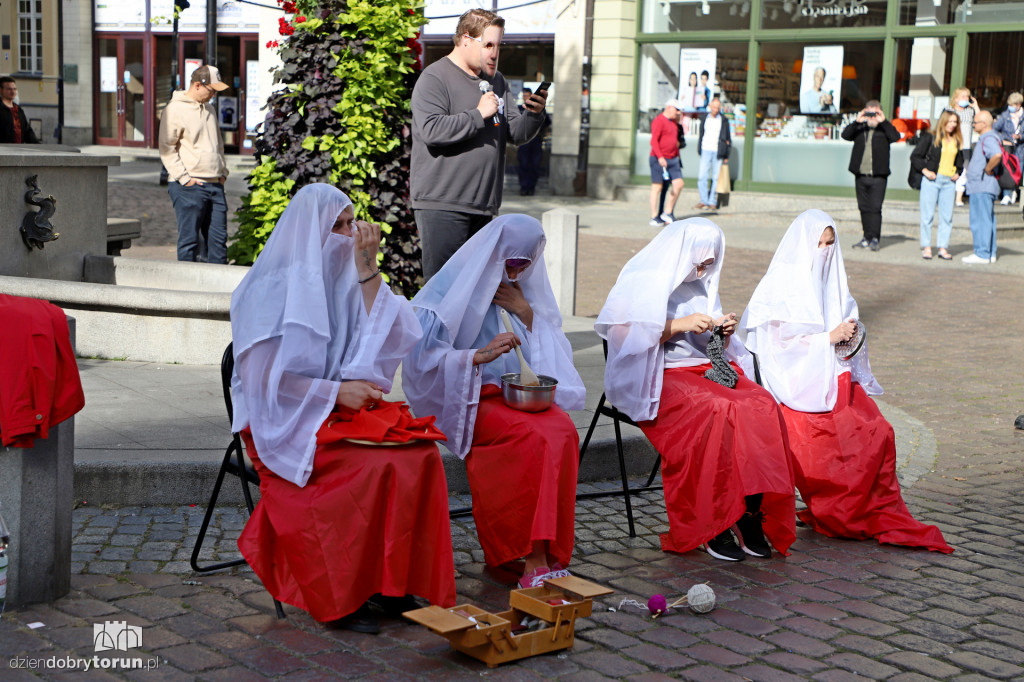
(721, 371)
(845, 350)
(36, 229)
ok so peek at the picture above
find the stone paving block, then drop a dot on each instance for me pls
(85, 608)
(658, 658)
(865, 626)
(950, 618)
(926, 665)
(811, 593)
(715, 655)
(821, 612)
(863, 645)
(606, 663)
(936, 631)
(152, 607)
(270, 661)
(794, 663)
(899, 603)
(609, 638)
(762, 673)
(810, 627)
(707, 673)
(996, 650)
(863, 666)
(1010, 637)
(985, 665)
(800, 644)
(107, 567)
(741, 644)
(731, 619)
(161, 673)
(194, 658)
(851, 589)
(237, 673)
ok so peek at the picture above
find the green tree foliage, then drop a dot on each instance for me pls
(343, 118)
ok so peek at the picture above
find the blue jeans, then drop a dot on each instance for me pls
(202, 214)
(710, 165)
(983, 224)
(943, 191)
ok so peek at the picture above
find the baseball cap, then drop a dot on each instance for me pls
(209, 75)
(674, 103)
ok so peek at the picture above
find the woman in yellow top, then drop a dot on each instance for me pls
(937, 161)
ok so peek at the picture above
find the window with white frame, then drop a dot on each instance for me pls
(30, 36)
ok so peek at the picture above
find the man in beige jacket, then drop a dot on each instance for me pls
(192, 150)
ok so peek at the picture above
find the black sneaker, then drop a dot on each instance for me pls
(862, 244)
(362, 621)
(752, 539)
(724, 547)
(394, 607)
(873, 245)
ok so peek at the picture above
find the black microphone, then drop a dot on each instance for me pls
(486, 87)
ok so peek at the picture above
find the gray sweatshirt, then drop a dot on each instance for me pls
(458, 159)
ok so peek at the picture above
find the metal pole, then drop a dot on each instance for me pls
(60, 73)
(211, 32)
(579, 183)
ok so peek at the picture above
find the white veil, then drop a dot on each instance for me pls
(299, 327)
(800, 300)
(458, 317)
(658, 284)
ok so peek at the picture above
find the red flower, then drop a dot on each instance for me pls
(289, 6)
(273, 43)
(284, 27)
(300, 19)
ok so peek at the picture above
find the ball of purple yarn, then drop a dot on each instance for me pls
(657, 605)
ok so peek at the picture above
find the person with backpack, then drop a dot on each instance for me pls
(983, 187)
(935, 166)
(1010, 127)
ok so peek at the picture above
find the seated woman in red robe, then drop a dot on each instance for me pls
(724, 457)
(844, 450)
(354, 499)
(521, 466)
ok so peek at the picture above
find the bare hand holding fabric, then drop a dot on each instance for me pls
(357, 395)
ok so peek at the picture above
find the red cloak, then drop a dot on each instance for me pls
(522, 474)
(717, 446)
(371, 519)
(845, 466)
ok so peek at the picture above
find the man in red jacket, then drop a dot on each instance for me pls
(666, 167)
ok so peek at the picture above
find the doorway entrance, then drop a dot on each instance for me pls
(121, 96)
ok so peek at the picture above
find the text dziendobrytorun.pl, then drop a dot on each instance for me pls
(85, 664)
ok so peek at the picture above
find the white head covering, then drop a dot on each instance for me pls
(300, 327)
(457, 314)
(658, 284)
(800, 300)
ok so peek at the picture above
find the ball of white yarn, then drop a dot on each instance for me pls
(700, 598)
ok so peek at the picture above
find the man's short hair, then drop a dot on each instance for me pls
(705, 73)
(873, 103)
(475, 22)
(4, 80)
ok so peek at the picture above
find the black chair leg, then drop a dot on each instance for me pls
(654, 473)
(593, 425)
(209, 515)
(625, 482)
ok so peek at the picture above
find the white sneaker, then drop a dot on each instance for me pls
(667, 218)
(974, 259)
(992, 259)
(1005, 201)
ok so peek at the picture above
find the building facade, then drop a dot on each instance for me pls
(29, 52)
(908, 54)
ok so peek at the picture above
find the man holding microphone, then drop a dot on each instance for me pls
(462, 120)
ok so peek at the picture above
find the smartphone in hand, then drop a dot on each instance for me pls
(543, 88)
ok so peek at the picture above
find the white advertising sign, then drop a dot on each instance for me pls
(108, 74)
(253, 96)
(696, 77)
(821, 79)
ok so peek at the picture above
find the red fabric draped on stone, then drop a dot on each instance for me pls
(717, 446)
(370, 520)
(845, 465)
(522, 474)
(39, 382)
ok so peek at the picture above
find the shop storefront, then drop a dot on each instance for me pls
(792, 73)
(133, 78)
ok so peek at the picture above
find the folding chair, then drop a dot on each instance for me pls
(604, 408)
(233, 463)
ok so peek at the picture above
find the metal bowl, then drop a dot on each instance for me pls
(528, 398)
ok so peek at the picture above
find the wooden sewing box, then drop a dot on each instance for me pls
(491, 639)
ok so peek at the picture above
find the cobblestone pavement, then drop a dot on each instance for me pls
(943, 344)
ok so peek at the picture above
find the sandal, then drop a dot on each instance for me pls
(944, 255)
(926, 253)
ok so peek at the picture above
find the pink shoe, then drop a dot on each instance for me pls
(534, 578)
(556, 572)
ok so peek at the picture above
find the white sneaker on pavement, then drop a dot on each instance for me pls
(993, 258)
(1005, 201)
(974, 259)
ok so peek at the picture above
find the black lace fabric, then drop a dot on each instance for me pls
(721, 371)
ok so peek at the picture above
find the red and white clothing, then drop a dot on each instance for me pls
(844, 449)
(337, 520)
(39, 382)
(718, 445)
(538, 451)
(664, 137)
